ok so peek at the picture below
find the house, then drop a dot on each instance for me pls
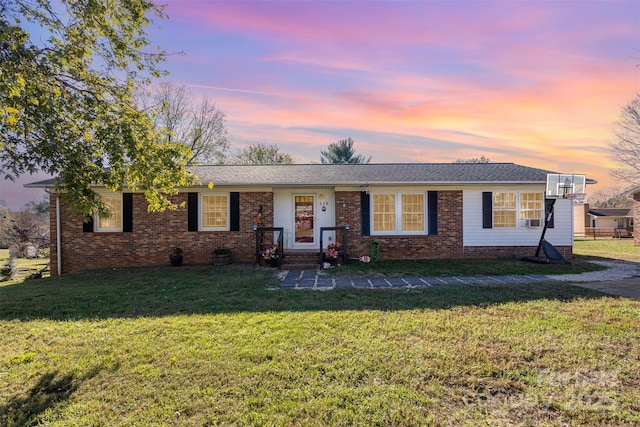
(634, 193)
(606, 222)
(410, 211)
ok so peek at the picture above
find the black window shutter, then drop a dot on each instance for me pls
(487, 209)
(432, 212)
(548, 205)
(365, 212)
(87, 226)
(192, 211)
(127, 212)
(234, 211)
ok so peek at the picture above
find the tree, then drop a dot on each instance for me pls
(610, 197)
(28, 227)
(342, 152)
(626, 149)
(481, 159)
(39, 207)
(67, 105)
(4, 213)
(200, 128)
(262, 154)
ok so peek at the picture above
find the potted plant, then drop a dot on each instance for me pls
(333, 254)
(221, 256)
(271, 255)
(176, 257)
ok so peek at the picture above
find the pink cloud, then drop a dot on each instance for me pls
(529, 78)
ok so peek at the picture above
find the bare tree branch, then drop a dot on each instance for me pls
(202, 128)
(626, 149)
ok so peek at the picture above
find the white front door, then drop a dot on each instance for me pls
(305, 220)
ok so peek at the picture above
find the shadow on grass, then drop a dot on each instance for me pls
(166, 291)
(50, 391)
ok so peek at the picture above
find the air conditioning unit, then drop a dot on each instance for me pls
(536, 222)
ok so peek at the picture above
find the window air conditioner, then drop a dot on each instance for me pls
(537, 222)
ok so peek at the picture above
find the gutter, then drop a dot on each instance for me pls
(58, 238)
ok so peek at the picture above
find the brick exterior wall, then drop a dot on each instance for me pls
(511, 251)
(153, 236)
(446, 244)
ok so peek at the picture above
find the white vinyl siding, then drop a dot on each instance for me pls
(284, 213)
(474, 235)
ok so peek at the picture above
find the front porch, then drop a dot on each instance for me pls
(270, 240)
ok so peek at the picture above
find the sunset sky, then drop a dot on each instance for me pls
(539, 83)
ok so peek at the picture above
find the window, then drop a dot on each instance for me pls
(384, 212)
(215, 211)
(531, 206)
(413, 212)
(398, 213)
(113, 221)
(504, 209)
(512, 209)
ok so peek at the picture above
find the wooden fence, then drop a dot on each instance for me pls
(618, 233)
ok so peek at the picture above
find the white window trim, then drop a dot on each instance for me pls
(398, 228)
(96, 217)
(201, 227)
(523, 221)
(520, 223)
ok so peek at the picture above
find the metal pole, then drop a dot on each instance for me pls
(547, 218)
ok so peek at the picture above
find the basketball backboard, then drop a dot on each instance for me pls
(566, 186)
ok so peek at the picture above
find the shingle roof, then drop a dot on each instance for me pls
(365, 174)
(370, 173)
(617, 212)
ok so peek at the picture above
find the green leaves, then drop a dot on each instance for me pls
(342, 152)
(66, 99)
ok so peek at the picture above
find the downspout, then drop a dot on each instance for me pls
(58, 238)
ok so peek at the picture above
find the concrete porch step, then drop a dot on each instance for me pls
(300, 260)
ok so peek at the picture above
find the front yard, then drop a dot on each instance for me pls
(196, 346)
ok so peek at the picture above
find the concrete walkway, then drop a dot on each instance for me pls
(629, 288)
(620, 278)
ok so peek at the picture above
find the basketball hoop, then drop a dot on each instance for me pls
(578, 198)
(566, 186)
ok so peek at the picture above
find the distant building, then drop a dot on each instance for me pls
(602, 222)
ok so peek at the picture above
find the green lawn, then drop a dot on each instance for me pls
(26, 266)
(196, 346)
(607, 248)
(461, 267)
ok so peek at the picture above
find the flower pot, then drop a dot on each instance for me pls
(271, 262)
(222, 259)
(176, 260)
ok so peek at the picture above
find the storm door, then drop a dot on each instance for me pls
(304, 219)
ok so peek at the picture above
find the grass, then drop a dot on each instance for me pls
(26, 266)
(197, 346)
(460, 267)
(622, 249)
